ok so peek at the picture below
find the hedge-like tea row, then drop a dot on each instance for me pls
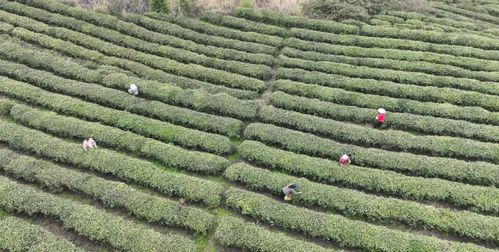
(113, 194)
(444, 38)
(220, 103)
(167, 154)
(181, 55)
(195, 98)
(402, 121)
(137, 68)
(19, 235)
(295, 21)
(243, 24)
(111, 97)
(89, 221)
(395, 140)
(374, 208)
(146, 72)
(373, 42)
(167, 65)
(468, 13)
(113, 22)
(340, 96)
(155, 22)
(236, 233)
(420, 79)
(396, 54)
(470, 197)
(381, 159)
(440, 20)
(368, 30)
(141, 125)
(214, 30)
(382, 64)
(390, 19)
(346, 232)
(111, 162)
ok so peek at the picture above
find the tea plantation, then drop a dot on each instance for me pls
(233, 108)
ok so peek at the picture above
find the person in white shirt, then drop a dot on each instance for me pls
(133, 90)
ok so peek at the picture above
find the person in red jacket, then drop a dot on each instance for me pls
(380, 118)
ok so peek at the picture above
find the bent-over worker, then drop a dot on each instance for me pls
(344, 160)
(89, 143)
(380, 118)
(133, 90)
(289, 190)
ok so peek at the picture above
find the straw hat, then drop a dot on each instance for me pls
(381, 111)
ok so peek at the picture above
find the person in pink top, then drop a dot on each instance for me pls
(89, 143)
(344, 160)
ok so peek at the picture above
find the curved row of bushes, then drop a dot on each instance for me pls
(148, 73)
(148, 34)
(402, 121)
(19, 235)
(235, 233)
(126, 121)
(382, 64)
(374, 208)
(113, 194)
(474, 198)
(89, 221)
(221, 103)
(414, 165)
(295, 21)
(373, 42)
(404, 15)
(468, 13)
(166, 154)
(340, 96)
(154, 24)
(167, 65)
(214, 30)
(111, 162)
(420, 79)
(348, 233)
(396, 90)
(139, 69)
(369, 31)
(395, 140)
(243, 24)
(114, 98)
(396, 54)
(445, 38)
(180, 55)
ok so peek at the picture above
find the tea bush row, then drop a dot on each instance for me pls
(374, 208)
(19, 235)
(348, 233)
(151, 208)
(402, 121)
(89, 221)
(113, 163)
(337, 94)
(395, 140)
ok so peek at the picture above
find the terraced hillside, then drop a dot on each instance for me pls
(233, 108)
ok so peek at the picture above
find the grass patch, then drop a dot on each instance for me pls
(234, 156)
(3, 213)
(201, 241)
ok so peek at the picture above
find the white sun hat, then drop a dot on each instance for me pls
(381, 111)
